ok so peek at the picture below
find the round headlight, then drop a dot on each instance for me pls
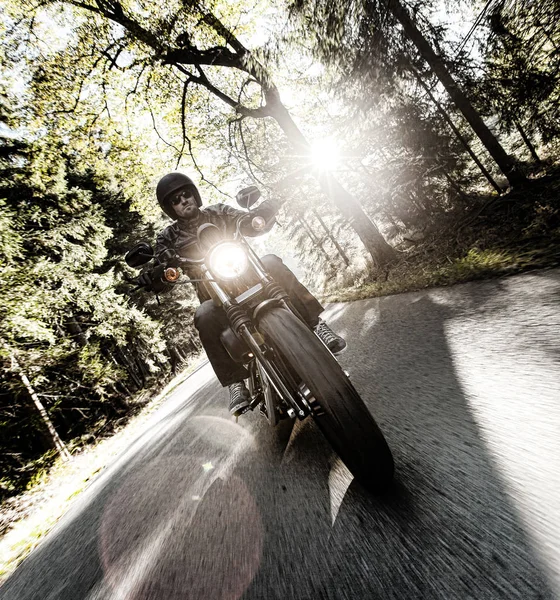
(228, 260)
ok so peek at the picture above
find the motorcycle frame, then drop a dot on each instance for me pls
(297, 403)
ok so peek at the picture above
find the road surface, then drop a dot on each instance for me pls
(465, 383)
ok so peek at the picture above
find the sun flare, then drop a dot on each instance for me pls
(325, 154)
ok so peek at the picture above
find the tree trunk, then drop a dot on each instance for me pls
(503, 160)
(142, 367)
(118, 400)
(528, 142)
(175, 358)
(128, 364)
(454, 184)
(188, 349)
(76, 331)
(48, 432)
(331, 237)
(124, 389)
(120, 383)
(381, 252)
(316, 241)
(457, 133)
(391, 218)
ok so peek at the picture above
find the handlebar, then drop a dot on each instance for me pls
(258, 223)
(189, 261)
(172, 274)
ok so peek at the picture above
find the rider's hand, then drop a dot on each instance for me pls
(145, 279)
(151, 277)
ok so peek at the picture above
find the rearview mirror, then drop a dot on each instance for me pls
(141, 254)
(248, 196)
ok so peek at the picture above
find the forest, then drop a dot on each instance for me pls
(414, 144)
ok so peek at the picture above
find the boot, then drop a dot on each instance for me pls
(333, 342)
(239, 398)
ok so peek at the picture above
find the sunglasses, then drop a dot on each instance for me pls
(178, 197)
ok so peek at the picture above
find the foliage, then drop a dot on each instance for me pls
(60, 316)
(522, 78)
(108, 96)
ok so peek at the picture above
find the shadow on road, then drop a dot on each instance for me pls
(450, 530)
(213, 510)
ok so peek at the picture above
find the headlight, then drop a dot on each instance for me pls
(228, 260)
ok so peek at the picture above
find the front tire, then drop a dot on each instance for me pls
(342, 415)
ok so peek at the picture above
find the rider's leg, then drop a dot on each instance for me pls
(304, 302)
(211, 321)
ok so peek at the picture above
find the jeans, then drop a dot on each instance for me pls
(211, 320)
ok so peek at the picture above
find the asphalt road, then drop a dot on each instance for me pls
(465, 383)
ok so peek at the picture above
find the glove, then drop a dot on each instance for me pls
(151, 279)
(269, 208)
(274, 204)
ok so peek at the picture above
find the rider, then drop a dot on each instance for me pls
(180, 200)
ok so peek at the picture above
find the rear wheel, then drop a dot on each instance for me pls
(339, 411)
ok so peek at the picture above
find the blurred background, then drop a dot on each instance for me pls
(415, 143)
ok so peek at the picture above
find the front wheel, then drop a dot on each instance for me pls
(341, 414)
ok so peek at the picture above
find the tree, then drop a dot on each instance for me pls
(504, 161)
(521, 82)
(186, 38)
(61, 322)
(371, 19)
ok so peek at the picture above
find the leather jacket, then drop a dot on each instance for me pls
(179, 238)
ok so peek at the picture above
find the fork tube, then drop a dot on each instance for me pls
(270, 370)
(222, 296)
(256, 264)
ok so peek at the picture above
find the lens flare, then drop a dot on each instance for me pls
(325, 155)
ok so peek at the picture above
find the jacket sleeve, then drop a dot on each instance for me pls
(268, 210)
(165, 244)
(164, 250)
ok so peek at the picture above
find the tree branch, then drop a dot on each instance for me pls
(247, 62)
(154, 121)
(183, 117)
(216, 56)
(199, 170)
(224, 32)
(250, 163)
(186, 139)
(114, 12)
(201, 79)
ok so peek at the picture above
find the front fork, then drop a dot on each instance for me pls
(242, 325)
(255, 342)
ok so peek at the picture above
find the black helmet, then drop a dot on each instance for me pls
(171, 183)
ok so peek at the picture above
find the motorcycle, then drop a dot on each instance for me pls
(292, 374)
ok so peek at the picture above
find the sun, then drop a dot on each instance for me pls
(325, 154)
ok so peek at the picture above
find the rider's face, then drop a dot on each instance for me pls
(184, 205)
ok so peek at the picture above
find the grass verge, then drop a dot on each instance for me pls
(507, 234)
(413, 275)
